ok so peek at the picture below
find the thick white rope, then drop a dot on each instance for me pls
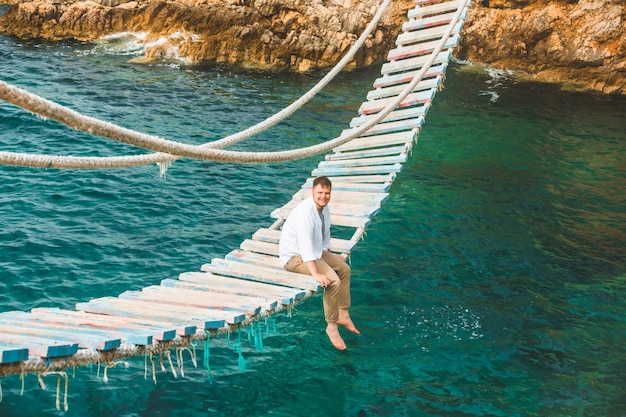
(203, 151)
(49, 109)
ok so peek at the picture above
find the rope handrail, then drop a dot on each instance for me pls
(169, 148)
(45, 161)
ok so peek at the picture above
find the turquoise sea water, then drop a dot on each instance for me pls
(491, 284)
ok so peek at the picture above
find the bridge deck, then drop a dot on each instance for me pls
(248, 284)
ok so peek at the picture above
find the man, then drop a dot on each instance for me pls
(304, 248)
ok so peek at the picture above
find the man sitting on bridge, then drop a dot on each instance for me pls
(304, 248)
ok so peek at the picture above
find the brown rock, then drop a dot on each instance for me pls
(574, 41)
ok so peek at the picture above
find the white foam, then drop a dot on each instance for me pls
(122, 43)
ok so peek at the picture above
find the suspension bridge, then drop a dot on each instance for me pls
(248, 285)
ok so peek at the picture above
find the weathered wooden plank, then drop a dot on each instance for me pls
(18, 322)
(413, 99)
(11, 353)
(391, 150)
(378, 169)
(426, 22)
(202, 318)
(393, 91)
(344, 221)
(256, 246)
(82, 340)
(391, 127)
(423, 48)
(229, 285)
(416, 36)
(273, 236)
(410, 67)
(380, 141)
(388, 80)
(130, 334)
(161, 329)
(267, 299)
(437, 8)
(363, 162)
(350, 217)
(212, 301)
(343, 196)
(261, 274)
(40, 346)
(378, 179)
(253, 258)
(118, 329)
(402, 114)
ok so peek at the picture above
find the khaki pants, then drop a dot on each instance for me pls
(337, 294)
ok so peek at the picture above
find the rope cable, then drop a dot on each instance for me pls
(169, 148)
(49, 109)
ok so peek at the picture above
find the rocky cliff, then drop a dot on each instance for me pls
(579, 42)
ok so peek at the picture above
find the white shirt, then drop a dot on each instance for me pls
(302, 233)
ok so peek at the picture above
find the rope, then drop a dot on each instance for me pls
(207, 355)
(166, 149)
(205, 151)
(169, 359)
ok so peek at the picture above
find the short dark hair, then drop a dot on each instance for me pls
(323, 181)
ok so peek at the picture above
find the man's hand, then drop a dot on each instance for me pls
(322, 279)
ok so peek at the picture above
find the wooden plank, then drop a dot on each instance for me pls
(395, 90)
(253, 258)
(391, 150)
(341, 214)
(11, 353)
(378, 169)
(391, 127)
(423, 48)
(273, 236)
(19, 322)
(406, 77)
(213, 301)
(40, 346)
(437, 8)
(363, 162)
(415, 36)
(336, 220)
(425, 84)
(407, 113)
(212, 282)
(378, 183)
(413, 99)
(203, 318)
(340, 181)
(410, 66)
(133, 335)
(256, 246)
(261, 274)
(426, 22)
(82, 323)
(380, 141)
(162, 330)
(82, 340)
(343, 196)
(267, 298)
(361, 186)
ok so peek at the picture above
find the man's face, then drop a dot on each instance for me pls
(321, 196)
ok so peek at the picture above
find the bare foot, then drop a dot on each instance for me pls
(349, 326)
(346, 321)
(335, 338)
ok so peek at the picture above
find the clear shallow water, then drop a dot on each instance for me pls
(491, 283)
